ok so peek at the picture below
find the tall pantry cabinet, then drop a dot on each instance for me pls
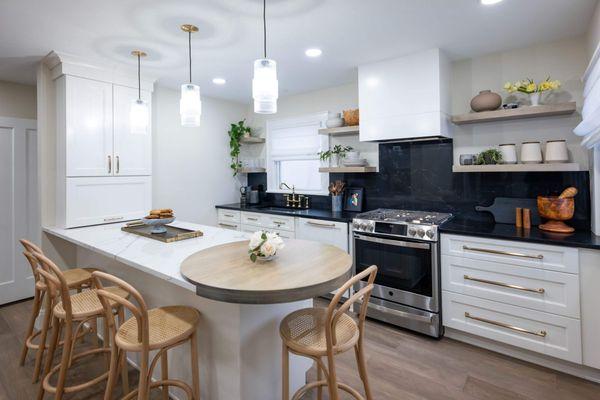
(103, 169)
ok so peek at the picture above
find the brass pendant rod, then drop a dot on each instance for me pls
(190, 52)
(265, 28)
(139, 79)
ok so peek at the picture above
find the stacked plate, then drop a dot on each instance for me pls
(353, 160)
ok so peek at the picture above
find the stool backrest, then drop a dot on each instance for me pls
(55, 281)
(334, 313)
(30, 249)
(139, 311)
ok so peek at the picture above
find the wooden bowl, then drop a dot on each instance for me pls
(351, 117)
(553, 208)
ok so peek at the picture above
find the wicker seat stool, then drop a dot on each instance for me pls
(158, 329)
(325, 332)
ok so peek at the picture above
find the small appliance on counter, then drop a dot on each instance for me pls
(254, 197)
(244, 192)
(404, 246)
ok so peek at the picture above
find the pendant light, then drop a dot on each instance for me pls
(265, 87)
(138, 114)
(190, 105)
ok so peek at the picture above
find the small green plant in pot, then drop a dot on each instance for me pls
(336, 154)
(489, 157)
(236, 133)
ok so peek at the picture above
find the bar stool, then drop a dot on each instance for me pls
(77, 308)
(159, 329)
(325, 332)
(77, 279)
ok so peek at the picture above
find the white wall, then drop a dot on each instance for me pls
(564, 60)
(190, 169)
(17, 101)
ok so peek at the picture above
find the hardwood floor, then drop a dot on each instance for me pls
(401, 366)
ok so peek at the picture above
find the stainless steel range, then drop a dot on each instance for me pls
(404, 246)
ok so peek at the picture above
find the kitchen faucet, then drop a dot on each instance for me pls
(294, 200)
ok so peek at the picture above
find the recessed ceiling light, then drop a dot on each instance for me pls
(219, 81)
(489, 2)
(313, 52)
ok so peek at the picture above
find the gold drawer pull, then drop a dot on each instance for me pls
(227, 225)
(229, 215)
(506, 285)
(507, 326)
(251, 219)
(503, 253)
(279, 222)
(320, 224)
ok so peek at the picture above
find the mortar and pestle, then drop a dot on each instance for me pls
(556, 210)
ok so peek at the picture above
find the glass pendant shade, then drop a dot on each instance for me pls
(265, 87)
(139, 117)
(190, 105)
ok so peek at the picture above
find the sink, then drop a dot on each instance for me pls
(281, 209)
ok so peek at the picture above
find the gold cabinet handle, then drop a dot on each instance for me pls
(229, 215)
(109, 164)
(503, 253)
(320, 224)
(227, 225)
(112, 219)
(251, 219)
(279, 222)
(507, 326)
(118, 164)
(506, 285)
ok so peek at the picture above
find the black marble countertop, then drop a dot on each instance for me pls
(463, 226)
(327, 215)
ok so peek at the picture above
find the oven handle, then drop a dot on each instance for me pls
(402, 314)
(398, 243)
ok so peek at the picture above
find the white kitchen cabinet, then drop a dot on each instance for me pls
(330, 232)
(283, 234)
(85, 126)
(132, 153)
(100, 200)
(254, 219)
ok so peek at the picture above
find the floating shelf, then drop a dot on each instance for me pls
(545, 110)
(518, 168)
(341, 131)
(349, 170)
(251, 170)
(252, 139)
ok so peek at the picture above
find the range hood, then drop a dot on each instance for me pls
(405, 98)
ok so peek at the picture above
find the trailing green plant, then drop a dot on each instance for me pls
(338, 150)
(236, 133)
(487, 157)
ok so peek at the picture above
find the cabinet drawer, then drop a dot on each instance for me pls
(278, 222)
(283, 234)
(330, 232)
(538, 289)
(555, 258)
(549, 334)
(230, 216)
(255, 219)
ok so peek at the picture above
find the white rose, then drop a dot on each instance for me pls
(268, 249)
(255, 239)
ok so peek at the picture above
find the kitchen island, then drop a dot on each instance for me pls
(240, 348)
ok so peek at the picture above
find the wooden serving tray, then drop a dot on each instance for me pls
(173, 234)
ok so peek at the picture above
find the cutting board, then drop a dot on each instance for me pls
(503, 209)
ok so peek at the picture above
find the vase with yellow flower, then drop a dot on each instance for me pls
(533, 89)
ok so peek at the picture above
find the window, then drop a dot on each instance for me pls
(292, 147)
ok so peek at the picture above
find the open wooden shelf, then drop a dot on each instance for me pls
(518, 168)
(251, 170)
(545, 110)
(341, 131)
(252, 139)
(348, 170)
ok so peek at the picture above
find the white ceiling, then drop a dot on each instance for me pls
(350, 32)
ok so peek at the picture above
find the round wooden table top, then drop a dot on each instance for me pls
(302, 270)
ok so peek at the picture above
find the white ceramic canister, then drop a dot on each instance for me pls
(531, 153)
(556, 151)
(509, 153)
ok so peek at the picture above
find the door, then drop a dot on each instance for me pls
(132, 151)
(19, 205)
(88, 126)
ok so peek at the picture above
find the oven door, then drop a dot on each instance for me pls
(407, 270)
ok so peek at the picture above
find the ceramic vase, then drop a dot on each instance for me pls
(534, 98)
(336, 203)
(486, 100)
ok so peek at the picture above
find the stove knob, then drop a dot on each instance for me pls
(363, 226)
(370, 227)
(429, 234)
(421, 232)
(355, 225)
(412, 231)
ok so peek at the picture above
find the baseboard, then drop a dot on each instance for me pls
(580, 371)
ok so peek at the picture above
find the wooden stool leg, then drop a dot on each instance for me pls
(319, 377)
(35, 311)
(106, 340)
(94, 324)
(56, 329)
(195, 367)
(144, 384)
(285, 373)
(362, 368)
(332, 381)
(113, 372)
(123, 353)
(164, 371)
(64, 362)
(44, 332)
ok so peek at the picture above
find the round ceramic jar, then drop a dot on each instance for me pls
(556, 151)
(509, 153)
(335, 121)
(486, 100)
(531, 153)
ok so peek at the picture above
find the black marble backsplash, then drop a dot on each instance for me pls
(418, 176)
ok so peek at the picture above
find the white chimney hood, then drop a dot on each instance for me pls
(405, 98)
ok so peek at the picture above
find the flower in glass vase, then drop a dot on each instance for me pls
(264, 245)
(534, 90)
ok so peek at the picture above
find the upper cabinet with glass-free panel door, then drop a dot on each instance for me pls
(132, 150)
(84, 114)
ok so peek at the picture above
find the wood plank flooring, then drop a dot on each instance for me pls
(401, 366)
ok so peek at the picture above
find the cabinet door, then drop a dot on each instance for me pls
(133, 151)
(330, 232)
(88, 126)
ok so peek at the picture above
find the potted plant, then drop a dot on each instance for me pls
(236, 132)
(336, 154)
(534, 90)
(489, 157)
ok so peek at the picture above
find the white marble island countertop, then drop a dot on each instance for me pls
(157, 258)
